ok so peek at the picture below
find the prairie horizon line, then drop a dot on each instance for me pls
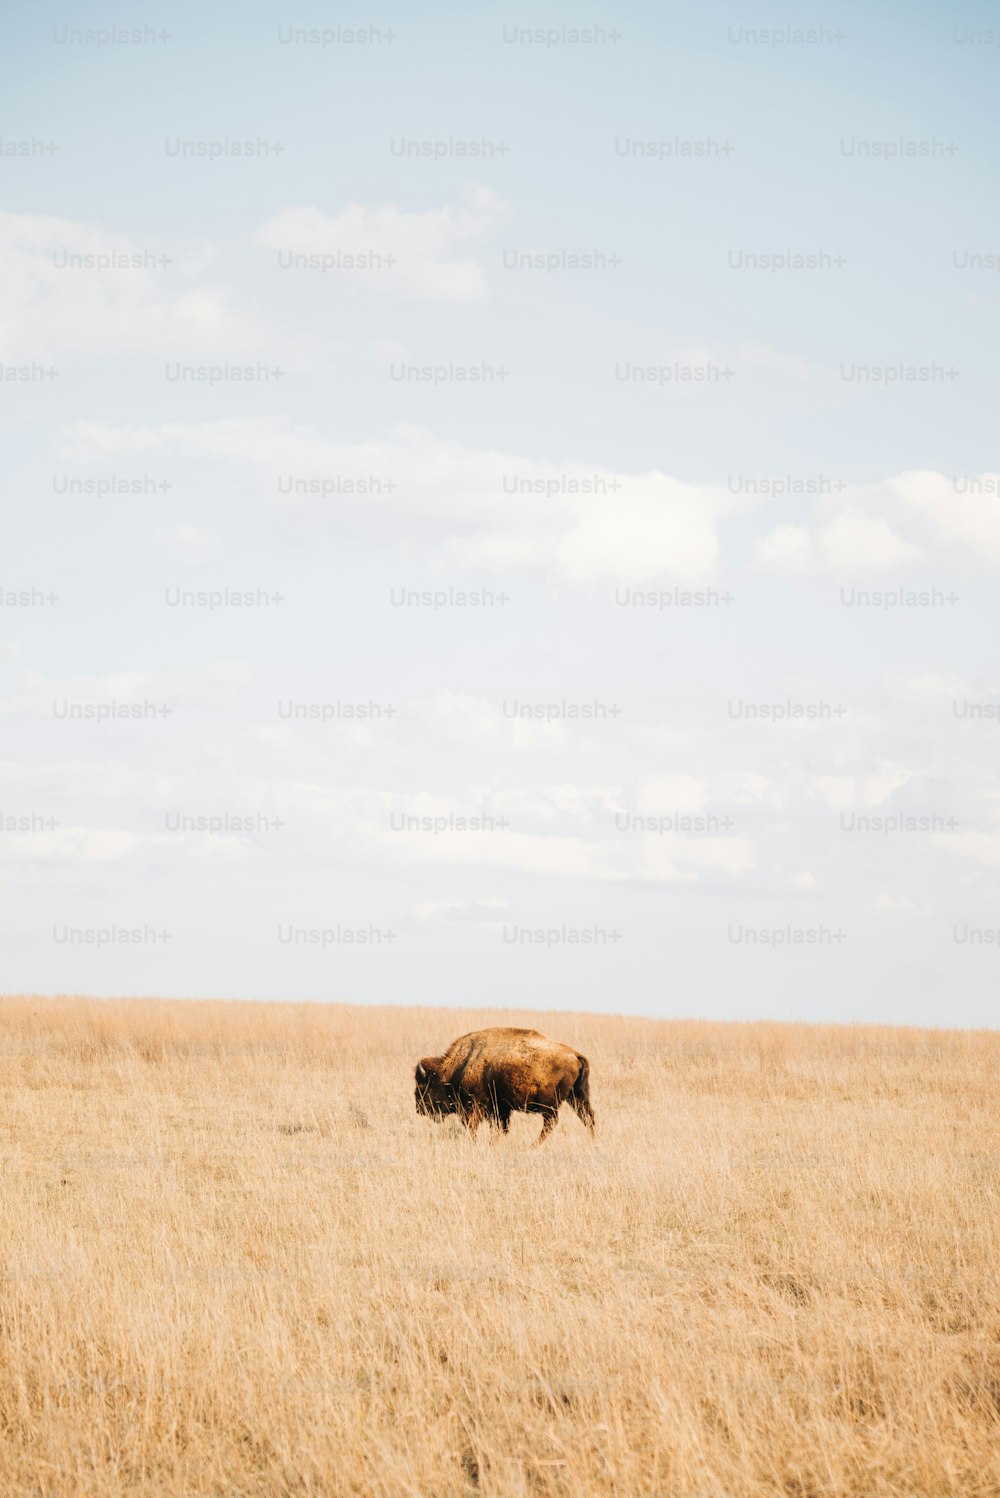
(407, 1008)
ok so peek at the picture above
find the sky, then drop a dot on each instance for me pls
(501, 507)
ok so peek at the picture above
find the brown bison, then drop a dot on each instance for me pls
(489, 1073)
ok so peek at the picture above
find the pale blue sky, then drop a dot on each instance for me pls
(792, 182)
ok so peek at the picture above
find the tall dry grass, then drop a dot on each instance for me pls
(235, 1261)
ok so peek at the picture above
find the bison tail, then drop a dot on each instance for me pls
(581, 1093)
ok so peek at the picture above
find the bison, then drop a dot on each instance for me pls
(489, 1073)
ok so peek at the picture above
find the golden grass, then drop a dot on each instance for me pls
(235, 1261)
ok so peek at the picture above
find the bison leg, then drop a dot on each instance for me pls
(498, 1111)
(550, 1114)
(584, 1112)
(579, 1098)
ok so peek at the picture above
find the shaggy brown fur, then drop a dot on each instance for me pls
(490, 1073)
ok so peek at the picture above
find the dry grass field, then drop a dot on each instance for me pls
(235, 1261)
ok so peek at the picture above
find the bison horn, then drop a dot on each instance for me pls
(421, 1070)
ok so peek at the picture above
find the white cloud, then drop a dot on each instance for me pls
(49, 308)
(501, 512)
(856, 542)
(762, 356)
(886, 901)
(664, 795)
(878, 786)
(72, 845)
(838, 792)
(489, 911)
(785, 549)
(606, 858)
(184, 542)
(211, 684)
(966, 523)
(657, 527)
(910, 519)
(980, 848)
(852, 792)
(464, 720)
(424, 246)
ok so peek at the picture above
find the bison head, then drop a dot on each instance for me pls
(433, 1096)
